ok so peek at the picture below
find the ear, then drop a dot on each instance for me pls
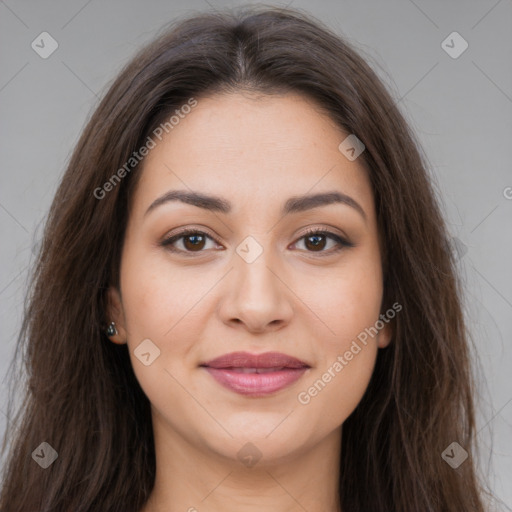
(385, 334)
(115, 314)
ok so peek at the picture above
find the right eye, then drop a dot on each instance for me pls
(192, 241)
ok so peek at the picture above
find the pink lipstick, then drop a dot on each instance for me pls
(255, 374)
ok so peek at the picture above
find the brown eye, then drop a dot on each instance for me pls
(194, 242)
(191, 241)
(317, 241)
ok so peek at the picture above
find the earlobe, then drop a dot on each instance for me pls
(385, 335)
(115, 317)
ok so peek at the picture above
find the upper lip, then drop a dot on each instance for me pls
(247, 360)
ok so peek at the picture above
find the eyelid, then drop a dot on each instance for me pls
(327, 230)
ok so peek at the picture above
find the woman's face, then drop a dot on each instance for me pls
(250, 278)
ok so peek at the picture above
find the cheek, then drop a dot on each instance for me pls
(155, 296)
(346, 357)
(334, 392)
(158, 306)
(170, 307)
(348, 299)
(349, 306)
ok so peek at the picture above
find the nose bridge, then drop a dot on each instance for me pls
(257, 297)
(254, 259)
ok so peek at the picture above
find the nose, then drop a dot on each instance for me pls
(256, 295)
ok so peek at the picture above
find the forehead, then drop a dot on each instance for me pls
(245, 147)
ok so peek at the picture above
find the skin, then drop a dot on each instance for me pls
(256, 152)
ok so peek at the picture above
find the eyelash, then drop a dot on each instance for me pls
(342, 243)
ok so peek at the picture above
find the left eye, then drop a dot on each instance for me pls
(195, 241)
(318, 240)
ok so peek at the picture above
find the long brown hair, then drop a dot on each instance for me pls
(82, 397)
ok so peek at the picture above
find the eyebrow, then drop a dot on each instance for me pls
(292, 205)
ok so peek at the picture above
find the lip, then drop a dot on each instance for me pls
(248, 360)
(255, 374)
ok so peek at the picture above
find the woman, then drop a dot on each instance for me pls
(245, 299)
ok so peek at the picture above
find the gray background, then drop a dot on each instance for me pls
(461, 110)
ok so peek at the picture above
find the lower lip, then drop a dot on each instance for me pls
(256, 384)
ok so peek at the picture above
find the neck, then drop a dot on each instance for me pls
(197, 479)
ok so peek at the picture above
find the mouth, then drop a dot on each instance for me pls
(256, 374)
(255, 370)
